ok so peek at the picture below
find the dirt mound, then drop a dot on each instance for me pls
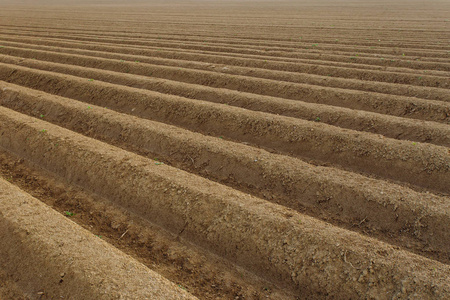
(220, 154)
(48, 256)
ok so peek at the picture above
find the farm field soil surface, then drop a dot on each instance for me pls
(224, 149)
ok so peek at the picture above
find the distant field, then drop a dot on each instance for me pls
(225, 149)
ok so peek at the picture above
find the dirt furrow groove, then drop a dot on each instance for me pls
(374, 42)
(299, 44)
(352, 61)
(238, 150)
(427, 165)
(344, 70)
(326, 192)
(352, 65)
(300, 48)
(234, 225)
(191, 268)
(325, 53)
(430, 110)
(34, 240)
(259, 33)
(244, 67)
(389, 126)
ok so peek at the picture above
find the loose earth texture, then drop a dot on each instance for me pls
(224, 149)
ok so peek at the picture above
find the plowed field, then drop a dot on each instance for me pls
(225, 149)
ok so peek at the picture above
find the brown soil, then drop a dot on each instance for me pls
(45, 254)
(225, 150)
(390, 126)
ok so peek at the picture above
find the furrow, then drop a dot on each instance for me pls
(194, 269)
(211, 45)
(324, 192)
(333, 54)
(389, 126)
(254, 32)
(341, 40)
(239, 227)
(313, 55)
(40, 247)
(251, 68)
(428, 110)
(159, 51)
(224, 149)
(424, 165)
(438, 52)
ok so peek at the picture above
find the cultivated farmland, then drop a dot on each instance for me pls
(224, 149)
